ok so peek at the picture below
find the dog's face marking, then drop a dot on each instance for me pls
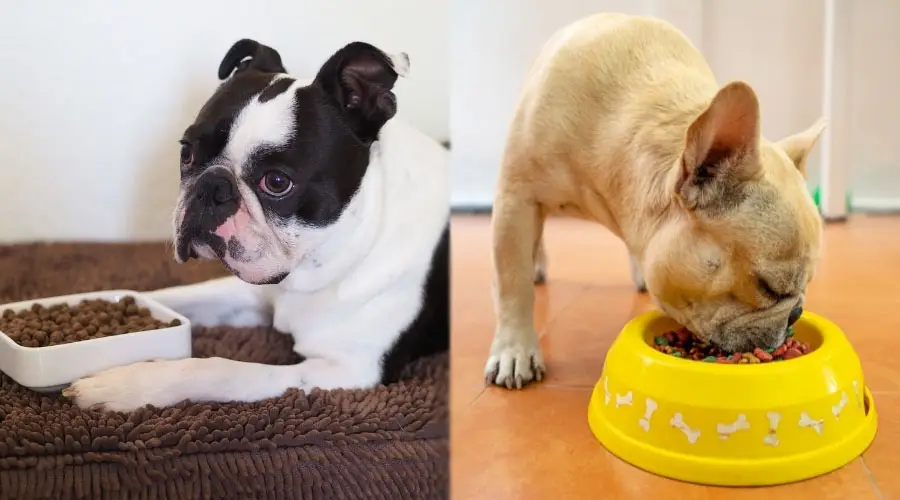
(267, 121)
(271, 163)
(736, 266)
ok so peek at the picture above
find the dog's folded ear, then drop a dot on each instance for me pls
(799, 145)
(721, 149)
(261, 57)
(359, 78)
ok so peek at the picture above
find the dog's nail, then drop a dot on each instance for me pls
(68, 392)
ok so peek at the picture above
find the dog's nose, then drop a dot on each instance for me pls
(217, 190)
(795, 315)
(223, 190)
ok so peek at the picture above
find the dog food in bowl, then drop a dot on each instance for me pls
(682, 343)
(42, 326)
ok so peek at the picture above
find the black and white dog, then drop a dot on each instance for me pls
(333, 217)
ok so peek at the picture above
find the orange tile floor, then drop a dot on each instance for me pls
(535, 443)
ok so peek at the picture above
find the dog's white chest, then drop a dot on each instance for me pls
(295, 313)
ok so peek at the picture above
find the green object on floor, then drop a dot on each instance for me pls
(817, 198)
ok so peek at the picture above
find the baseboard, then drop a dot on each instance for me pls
(471, 209)
(876, 205)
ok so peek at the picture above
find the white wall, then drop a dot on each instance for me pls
(492, 46)
(775, 45)
(874, 104)
(95, 94)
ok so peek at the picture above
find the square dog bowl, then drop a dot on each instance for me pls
(52, 368)
(733, 424)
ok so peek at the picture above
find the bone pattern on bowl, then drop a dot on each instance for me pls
(764, 427)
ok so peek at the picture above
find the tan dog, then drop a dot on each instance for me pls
(622, 122)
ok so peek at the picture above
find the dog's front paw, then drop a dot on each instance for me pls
(127, 388)
(515, 365)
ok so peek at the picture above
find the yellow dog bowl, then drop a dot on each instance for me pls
(733, 424)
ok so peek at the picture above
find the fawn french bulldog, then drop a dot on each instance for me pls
(622, 122)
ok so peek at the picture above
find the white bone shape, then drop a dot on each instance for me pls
(623, 400)
(807, 421)
(726, 430)
(838, 408)
(649, 408)
(774, 420)
(607, 396)
(678, 422)
(771, 438)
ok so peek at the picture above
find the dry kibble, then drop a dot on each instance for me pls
(682, 343)
(42, 326)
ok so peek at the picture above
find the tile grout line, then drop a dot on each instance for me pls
(871, 476)
(583, 289)
(581, 292)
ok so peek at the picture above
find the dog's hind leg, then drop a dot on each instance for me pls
(223, 301)
(637, 274)
(515, 358)
(540, 257)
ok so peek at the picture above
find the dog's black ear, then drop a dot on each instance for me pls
(359, 78)
(262, 58)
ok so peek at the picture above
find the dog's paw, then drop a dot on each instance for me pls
(514, 366)
(127, 388)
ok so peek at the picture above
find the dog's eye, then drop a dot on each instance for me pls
(187, 153)
(275, 184)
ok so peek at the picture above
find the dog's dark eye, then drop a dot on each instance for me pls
(275, 184)
(187, 153)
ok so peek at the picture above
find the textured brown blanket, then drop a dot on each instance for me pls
(390, 442)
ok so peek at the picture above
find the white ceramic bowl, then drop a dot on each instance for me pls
(49, 369)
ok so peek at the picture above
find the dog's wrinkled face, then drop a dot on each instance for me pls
(734, 268)
(271, 163)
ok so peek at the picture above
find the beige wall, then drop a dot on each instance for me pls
(775, 45)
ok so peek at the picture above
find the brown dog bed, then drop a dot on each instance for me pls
(390, 442)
